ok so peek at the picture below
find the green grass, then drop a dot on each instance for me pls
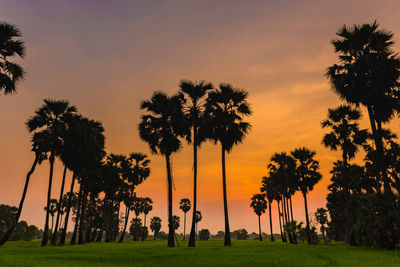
(207, 253)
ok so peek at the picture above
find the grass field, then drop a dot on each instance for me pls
(207, 253)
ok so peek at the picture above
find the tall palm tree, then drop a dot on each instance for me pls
(345, 135)
(161, 128)
(52, 211)
(155, 225)
(308, 175)
(367, 74)
(259, 205)
(51, 117)
(40, 148)
(136, 171)
(322, 218)
(271, 192)
(194, 107)
(11, 45)
(185, 206)
(226, 108)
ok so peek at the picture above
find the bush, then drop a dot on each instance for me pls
(241, 234)
(204, 234)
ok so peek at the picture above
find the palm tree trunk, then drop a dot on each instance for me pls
(270, 222)
(307, 219)
(155, 235)
(192, 237)
(54, 236)
(283, 236)
(291, 214)
(171, 231)
(125, 225)
(78, 212)
(291, 238)
(184, 226)
(227, 241)
(46, 224)
(284, 210)
(64, 232)
(81, 239)
(145, 219)
(7, 235)
(100, 235)
(259, 227)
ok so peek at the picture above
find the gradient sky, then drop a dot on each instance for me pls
(105, 57)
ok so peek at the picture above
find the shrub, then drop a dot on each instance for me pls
(204, 234)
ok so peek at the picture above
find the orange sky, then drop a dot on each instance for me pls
(107, 57)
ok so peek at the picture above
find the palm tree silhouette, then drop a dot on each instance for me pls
(259, 205)
(307, 172)
(226, 108)
(368, 74)
(185, 206)
(136, 170)
(155, 225)
(147, 207)
(51, 117)
(197, 219)
(282, 169)
(161, 128)
(194, 108)
(40, 148)
(82, 148)
(271, 192)
(11, 45)
(345, 135)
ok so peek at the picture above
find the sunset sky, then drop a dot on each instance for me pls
(107, 56)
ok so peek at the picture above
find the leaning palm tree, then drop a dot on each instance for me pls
(51, 117)
(185, 206)
(40, 148)
(307, 172)
(367, 74)
(259, 205)
(161, 128)
(345, 135)
(11, 45)
(194, 107)
(226, 108)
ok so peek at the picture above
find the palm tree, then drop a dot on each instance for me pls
(161, 128)
(194, 108)
(39, 147)
(50, 117)
(282, 169)
(82, 148)
(147, 207)
(307, 172)
(11, 45)
(345, 135)
(226, 108)
(368, 74)
(197, 219)
(322, 218)
(259, 205)
(52, 210)
(155, 225)
(136, 170)
(185, 206)
(271, 192)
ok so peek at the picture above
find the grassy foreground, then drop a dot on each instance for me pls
(207, 253)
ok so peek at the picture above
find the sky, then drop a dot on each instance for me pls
(107, 56)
